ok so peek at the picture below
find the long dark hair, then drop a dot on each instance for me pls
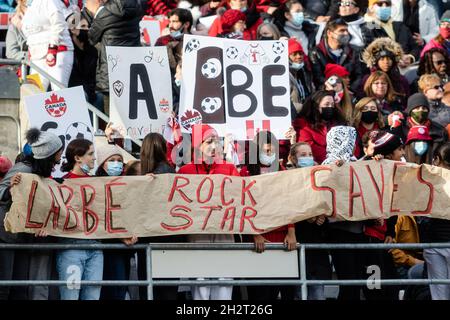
(443, 154)
(153, 152)
(77, 147)
(426, 65)
(44, 167)
(311, 111)
(261, 138)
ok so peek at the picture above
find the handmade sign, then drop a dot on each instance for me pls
(64, 113)
(140, 90)
(238, 87)
(193, 204)
(150, 31)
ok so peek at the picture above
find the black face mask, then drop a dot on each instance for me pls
(350, 18)
(369, 117)
(266, 38)
(327, 113)
(83, 36)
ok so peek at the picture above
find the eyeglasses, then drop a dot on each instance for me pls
(439, 62)
(347, 4)
(439, 87)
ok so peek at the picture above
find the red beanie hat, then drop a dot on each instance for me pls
(230, 17)
(418, 133)
(5, 165)
(201, 132)
(332, 69)
(294, 46)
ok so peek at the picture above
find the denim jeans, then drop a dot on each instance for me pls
(76, 265)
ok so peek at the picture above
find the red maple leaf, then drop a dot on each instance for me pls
(54, 99)
(189, 115)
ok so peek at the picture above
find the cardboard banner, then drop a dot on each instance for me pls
(141, 91)
(195, 204)
(64, 113)
(150, 30)
(238, 87)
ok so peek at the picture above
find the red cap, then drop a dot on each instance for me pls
(230, 17)
(201, 132)
(294, 46)
(332, 69)
(418, 133)
(5, 165)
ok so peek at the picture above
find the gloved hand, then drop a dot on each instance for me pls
(51, 55)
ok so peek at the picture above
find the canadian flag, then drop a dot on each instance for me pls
(252, 131)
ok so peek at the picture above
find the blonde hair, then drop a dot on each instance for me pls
(293, 154)
(427, 81)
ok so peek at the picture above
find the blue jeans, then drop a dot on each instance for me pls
(76, 265)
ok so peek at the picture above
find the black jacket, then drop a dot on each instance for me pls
(350, 59)
(117, 24)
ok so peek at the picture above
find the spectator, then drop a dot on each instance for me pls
(210, 8)
(320, 10)
(268, 31)
(252, 18)
(16, 45)
(431, 86)
(384, 55)
(116, 263)
(115, 23)
(380, 87)
(318, 116)
(379, 16)
(206, 159)
(438, 259)
(442, 39)
(300, 79)
(418, 146)
(46, 151)
(267, 161)
(342, 97)
(334, 48)
(154, 161)
(7, 5)
(49, 43)
(80, 160)
(360, 32)
(233, 25)
(436, 61)
(421, 19)
(367, 117)
(290, 19)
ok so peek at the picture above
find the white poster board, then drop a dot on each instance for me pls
(140, 89)
(150, 31)
(238, 87)
(64, 113)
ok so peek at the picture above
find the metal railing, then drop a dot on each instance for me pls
(97, 114)
(303, 282)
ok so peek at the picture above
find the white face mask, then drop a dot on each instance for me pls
(297, 66)
(267, 160)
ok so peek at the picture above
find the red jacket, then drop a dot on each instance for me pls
(249, 34)
(224, 168)
(316, 138)
(71, 175)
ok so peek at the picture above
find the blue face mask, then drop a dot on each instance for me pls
(420, 147)
(85, 168)
(298, 18)
(297, 66)
(243, 9)
(114, 168)
(176, 34)
(305, 162)
(267, 160)
(383, 13)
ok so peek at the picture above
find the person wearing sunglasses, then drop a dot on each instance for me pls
(432, 88)
(435, 61)
(379, 17)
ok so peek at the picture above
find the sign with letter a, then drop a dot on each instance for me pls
(140, 89)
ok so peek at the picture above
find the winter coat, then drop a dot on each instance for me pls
(117, 24)
(16, 45)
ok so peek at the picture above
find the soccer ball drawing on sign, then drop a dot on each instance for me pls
(211, 68)
(79, 130)
(211, 105)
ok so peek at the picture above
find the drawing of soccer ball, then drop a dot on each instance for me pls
(278, 48)
(210, 105)
(79, 130)
(194, 44)
(232, 53)
(211, 68)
